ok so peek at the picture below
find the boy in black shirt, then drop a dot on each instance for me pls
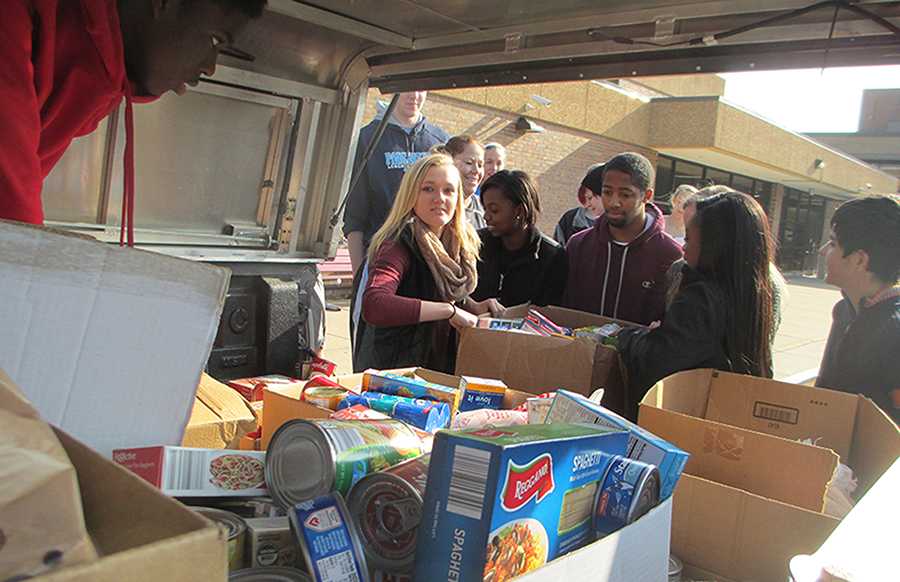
(863, 259)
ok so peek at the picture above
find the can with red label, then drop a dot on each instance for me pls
(386, 508)
(628, 490)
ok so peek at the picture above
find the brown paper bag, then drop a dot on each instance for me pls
(41, 520)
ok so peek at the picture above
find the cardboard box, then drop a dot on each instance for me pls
(536, 364)
(107, 342)
(284, 404)
(750, 496)
(142, 535)
(220, 418)
(188, 472)
(636, 553)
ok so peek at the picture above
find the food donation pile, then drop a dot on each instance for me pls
(498, 492)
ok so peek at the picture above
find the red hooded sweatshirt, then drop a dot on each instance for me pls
(63, 71)
(622, 281)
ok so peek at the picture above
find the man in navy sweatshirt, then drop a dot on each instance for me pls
(618, 267)
(407, 138)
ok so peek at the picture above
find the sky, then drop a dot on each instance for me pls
(809, 100)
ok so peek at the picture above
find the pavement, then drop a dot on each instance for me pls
(798, 349)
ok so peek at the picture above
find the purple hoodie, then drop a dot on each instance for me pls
(622, 281)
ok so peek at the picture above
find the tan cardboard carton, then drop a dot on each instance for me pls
(220, 418)
(142, 536)
(750, 498)
(536, 364)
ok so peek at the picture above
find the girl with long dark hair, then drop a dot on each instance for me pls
(722, 315)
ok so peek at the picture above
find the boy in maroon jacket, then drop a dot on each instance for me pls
(618, 267)
(68, 63)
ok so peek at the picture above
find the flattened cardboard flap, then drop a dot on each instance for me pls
(769, 466)
(107, 342)
(785, 410)
(739, 535)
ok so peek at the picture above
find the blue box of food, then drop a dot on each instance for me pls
(643, 445)
(478, 393)
(503, 502)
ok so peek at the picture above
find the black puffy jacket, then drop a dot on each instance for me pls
(536, 274)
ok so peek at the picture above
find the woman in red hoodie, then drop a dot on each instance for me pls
(68, 63)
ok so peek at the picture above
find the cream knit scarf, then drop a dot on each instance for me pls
(453, 269)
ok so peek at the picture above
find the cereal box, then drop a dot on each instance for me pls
(481, 393)
(502, 502)
(642, 445)
(188, 472)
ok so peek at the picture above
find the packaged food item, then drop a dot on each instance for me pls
(643, 445)
(628, 490)
(543, 325)
(273, 574)
(307, 458)
(247, 508)
(252, 388)
(187, 472)
(235, 530)
(397, 385)
(324, 396)
(329, 544)
(488, 419)
(319, 365)
(358, 412)
(386, 508)
(502, 502)
(498, 324)
(270, 542)
(538, 408)
(427, 415)
(478, 393)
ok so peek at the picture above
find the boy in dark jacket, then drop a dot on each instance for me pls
(618, 267)
(68, 63)
(407, 138)
(862, 257)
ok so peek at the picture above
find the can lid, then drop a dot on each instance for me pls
(388, 493)
(299, 463)
(675, 566)
(232, 524)
(273, 574)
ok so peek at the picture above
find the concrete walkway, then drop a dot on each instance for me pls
(798, 345)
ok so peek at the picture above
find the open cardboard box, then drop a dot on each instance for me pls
(751, 496)
(281, 404)
(536, 364)
(142, 535)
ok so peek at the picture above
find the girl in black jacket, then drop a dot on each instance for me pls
(518, 264)
(721, 316)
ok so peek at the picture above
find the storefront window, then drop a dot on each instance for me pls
(802, 223)
(662, 192)
(687, 173)
(717, 177)
(742, 184)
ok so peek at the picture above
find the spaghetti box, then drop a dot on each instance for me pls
(643, 445)
(187, 472)
(480, 393)
(399, 385)
(503, 502)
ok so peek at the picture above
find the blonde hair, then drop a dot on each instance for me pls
(682, 193)
(404, 206)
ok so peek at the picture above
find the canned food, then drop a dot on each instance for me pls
(248, 508)
(235, 529)
(269, 575)
(307, 458)
(270, 542)
(382, 576)
(325, 396)
(358, 412)
(628, 490)
(329, 543)
(675, 569)
(386, 508)
(426, 415)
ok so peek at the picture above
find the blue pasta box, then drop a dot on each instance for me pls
(410, 387)
(643, 445)
(503, 502)
(480, 393)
